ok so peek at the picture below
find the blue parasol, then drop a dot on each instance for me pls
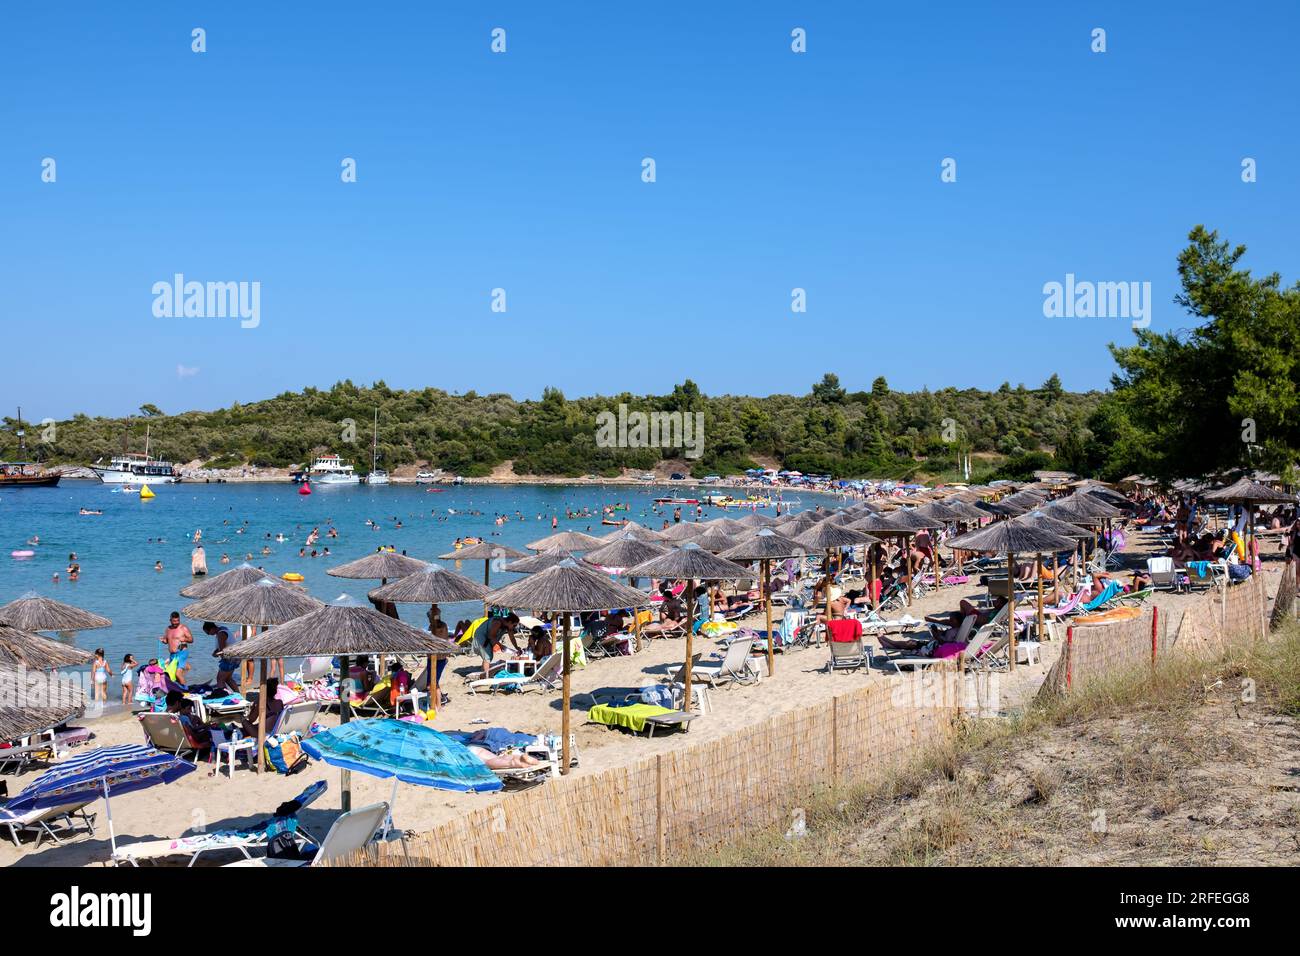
(412, 753)
(101, 772)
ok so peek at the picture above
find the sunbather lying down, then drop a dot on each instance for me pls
(513, 760)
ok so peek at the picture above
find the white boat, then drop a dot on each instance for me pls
(123, 469)
(377, 475)
(129, 467)
(330, 470)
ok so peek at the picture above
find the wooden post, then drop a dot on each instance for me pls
(1069, 657)
(1155, 624)
(1011, 608)
(766, 571)
(661, 834)
(835, 741)
(829, 579)
(907, 565)
(1038, 567)
(871, 576)
(690, 642)
(431, 663)
(345, 714)
(564, 721)
(261, 716)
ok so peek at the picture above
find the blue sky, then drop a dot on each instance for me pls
(522, 171)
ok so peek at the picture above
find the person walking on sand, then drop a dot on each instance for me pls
(129, 665)
(178, 639)
(102, 672)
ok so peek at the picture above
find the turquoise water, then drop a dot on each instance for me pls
(117, 550)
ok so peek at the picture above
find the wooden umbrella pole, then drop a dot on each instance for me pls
(345, 714)
(829, 580)
(431, 663)
(1011, 606)
(765, 569)
(486, 564)
(1039, 567)
(907, 565)
(871, 575)
(690, 642)
(564, 721)
(261, 715)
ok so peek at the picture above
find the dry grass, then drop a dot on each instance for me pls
(1192, 764)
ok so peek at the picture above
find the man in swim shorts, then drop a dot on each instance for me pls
(227, 669)
(492, 632)
(178, 639)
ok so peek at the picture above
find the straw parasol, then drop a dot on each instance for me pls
(718, 539)
(756, 520)
(232, 580)
(684, 531)
(262, 603)
(639, 531)
(1014, 536)
(27, 649)
(431, 585)
(31, 612)
(903, 523)
(539, 562)
(487, 552)
(346, 628)
(691, 563)
(32, 703)
(762, 546)
(828, 537)
(382, 565)
(625, 552)
(1249, 493)
(799, 523)
(567, 588)
(566, 541)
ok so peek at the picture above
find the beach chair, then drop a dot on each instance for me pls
(900, 659)
(351, 832)
(736, 667)
(847, 656)
(168, 734)
(312, 669)
(43, 822)
(737, 611)
(297, 718)
(545, 677)
(151, 851)
(1163, 575)
(18, 758)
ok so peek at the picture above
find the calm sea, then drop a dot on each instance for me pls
(118, 549)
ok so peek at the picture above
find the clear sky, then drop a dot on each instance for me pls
(523, 171)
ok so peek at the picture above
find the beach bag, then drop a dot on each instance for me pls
(284, 753)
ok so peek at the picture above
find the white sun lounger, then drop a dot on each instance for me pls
(349, 834)
(734, 669)
(543, 678)
(42, 821)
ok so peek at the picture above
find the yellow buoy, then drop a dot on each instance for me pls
(145, 492)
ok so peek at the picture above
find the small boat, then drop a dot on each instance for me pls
(377, 475)
(677, 501)
(19, 474)
(612, 522)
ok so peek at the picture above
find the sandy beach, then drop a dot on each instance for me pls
(205, 800)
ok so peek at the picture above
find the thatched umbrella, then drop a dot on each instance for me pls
(566, 541)
(31, 612)
(626, 552)
(630, 527)
(539, 562)
(381, 565)
(1012, 537)
(762, 546)
(487, 552)
(261, 604)
(1249, 494)
(828, 537)
(756, 520)
(690, 562)
(431, 585)
(1044, 521)
(27, 649)
(32, 703)
(903, 523)
(568, 588)
(718, 539)
(232, 580)
(344, 629)
(800, 523)
(684, 531)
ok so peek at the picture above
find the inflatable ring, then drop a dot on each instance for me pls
(291, 576)
(22, 554)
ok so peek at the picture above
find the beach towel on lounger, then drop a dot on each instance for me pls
(632, 716)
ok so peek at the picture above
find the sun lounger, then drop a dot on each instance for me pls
(639, 717)
(736, 667)
(168, 734)
(847, 656)
(151, 851)
(545, 677)
(18, 758)
(297, 718)
(43, 822)
(351, 832)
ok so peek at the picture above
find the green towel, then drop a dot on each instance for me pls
(632, 716)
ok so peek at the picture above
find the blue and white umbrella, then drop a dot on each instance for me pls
(102, 772)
